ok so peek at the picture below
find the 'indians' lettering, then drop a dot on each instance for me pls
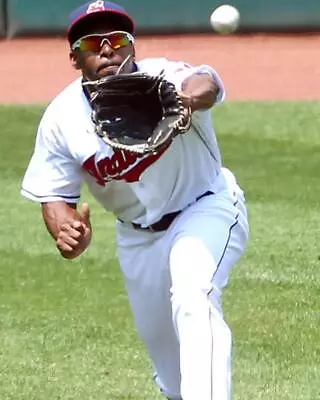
(118, 166)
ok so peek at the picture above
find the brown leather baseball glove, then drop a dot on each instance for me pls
(137, 112)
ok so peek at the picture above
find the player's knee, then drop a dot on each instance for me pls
(190, 302)
(192, 287)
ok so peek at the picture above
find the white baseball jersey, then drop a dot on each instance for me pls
(135, 188)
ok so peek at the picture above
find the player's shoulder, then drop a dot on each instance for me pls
(65, 102)
(71, 94)
(63, 111)
(154, 65)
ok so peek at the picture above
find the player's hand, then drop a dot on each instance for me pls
(74, 237)
(186, 99)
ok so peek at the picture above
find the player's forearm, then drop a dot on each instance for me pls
(57, 213)
(199, 92)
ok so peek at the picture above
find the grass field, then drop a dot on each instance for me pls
(65, 327)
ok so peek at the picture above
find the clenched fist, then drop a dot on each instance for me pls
(75, 236)
(71, 229)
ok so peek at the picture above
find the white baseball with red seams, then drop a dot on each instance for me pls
(174, 278)
(225, 19)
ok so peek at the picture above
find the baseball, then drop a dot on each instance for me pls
(225, 19)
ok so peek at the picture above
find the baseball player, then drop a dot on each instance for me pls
(181, 217)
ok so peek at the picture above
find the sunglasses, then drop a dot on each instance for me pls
(94, 42)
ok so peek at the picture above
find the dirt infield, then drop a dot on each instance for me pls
(254, 67)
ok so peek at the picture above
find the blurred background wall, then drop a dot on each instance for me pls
(43, 17)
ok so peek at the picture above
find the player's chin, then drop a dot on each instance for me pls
(107, 71)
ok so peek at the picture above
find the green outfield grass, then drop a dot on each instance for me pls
(65, 328)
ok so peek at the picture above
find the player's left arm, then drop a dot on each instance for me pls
(200, 87)
(199, 91)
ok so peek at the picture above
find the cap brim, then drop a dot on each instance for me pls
(128, 22)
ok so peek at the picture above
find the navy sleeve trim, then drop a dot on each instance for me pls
(51, 195)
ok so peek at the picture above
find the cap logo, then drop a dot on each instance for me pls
(95, 6)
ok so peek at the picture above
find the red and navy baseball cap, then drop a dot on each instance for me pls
(89, 12)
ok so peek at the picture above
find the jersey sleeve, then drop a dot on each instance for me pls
(177, 72)
(52, 174)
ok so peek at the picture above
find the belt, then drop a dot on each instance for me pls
(164, 223)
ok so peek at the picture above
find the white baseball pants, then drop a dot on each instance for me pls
(174, 281)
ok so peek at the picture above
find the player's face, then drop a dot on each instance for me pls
(101, 52)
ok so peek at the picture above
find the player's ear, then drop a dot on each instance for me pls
(74, 60)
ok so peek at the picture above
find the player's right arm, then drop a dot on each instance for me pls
(53, 178)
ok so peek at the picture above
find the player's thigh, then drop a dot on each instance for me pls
(208, 240)
(234, 249)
